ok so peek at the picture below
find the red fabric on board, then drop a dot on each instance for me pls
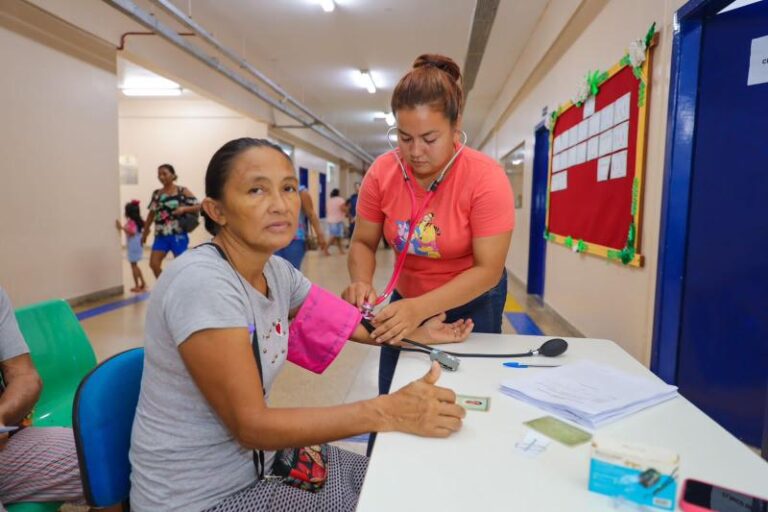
(598, 212)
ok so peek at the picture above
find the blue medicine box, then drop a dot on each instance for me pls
(640, 474)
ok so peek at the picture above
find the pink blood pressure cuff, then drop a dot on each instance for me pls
(321, 328)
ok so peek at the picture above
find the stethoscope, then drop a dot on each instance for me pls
(417, 212)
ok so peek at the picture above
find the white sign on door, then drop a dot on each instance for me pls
(758, 62)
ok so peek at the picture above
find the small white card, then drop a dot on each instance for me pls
(559, 181)
(594, 125)
(606, 143)
(583, 130)
(621, 136)
(622, 109)
(572, 156)
(572, 136)
(589, 106)
(533, 444)
(593, 148)
(603, 166)
(606, 118)
(619, 165)
(758, 61)
(581, 153)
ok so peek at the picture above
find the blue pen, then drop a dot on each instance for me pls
(515, 364)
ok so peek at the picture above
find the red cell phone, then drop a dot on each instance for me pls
(703, 497)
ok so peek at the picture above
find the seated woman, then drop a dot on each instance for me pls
(203, 435)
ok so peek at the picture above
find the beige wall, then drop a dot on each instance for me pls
(601, 299)
(184, 133)
(58, 171)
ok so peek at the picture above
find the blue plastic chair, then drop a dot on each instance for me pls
(105, 404)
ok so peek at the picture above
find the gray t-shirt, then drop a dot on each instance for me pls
(12, 343)
(182, 455)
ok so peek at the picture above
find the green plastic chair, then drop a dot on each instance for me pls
(62, 355)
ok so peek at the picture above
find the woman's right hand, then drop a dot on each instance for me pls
(144, 237)
(424, 409)
(358, 293)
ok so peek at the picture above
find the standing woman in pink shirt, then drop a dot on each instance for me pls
(448, 206)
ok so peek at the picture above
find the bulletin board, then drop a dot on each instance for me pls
(597, 158)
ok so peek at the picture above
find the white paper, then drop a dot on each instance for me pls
(570, 138)
(533, 444)
(593, 148)
(758, 61)
(581, 153)
(589, 106)
(559, 181)
(572, 156)
(606, 143)
(583, 131)
(603, 166)
(619, 165)
(606, 118)
(621, 113)
(588, 393)
(557, 165)
(594, 124)
(621, 136)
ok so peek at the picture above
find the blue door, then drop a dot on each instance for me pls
(323, 195)
(537, 250)
(723, 348)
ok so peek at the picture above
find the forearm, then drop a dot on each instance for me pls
(18, 398)
(468, 285)
(361, 262)
(273, 429)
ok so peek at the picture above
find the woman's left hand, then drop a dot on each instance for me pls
(397, 320)
(181, 210)
(436, 331)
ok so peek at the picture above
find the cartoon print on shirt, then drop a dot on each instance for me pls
(424, 240)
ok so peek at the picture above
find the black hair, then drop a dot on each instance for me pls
(169, 168)
(221, 164)
(335, 192)
(132, 212)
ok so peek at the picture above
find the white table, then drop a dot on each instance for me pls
(479, 469)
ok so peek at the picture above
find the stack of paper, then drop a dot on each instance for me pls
(588, 393)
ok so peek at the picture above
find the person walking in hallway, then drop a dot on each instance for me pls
(296, 250)
(337, 212)
(133, 228)
(166, 208)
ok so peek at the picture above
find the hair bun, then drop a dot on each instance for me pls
(440, 62)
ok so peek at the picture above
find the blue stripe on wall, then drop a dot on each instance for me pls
(523, 324)
(106, 308)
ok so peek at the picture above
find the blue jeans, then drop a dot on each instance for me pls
(486, 312)
(294, 253)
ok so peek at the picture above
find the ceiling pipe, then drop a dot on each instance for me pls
(133, 11)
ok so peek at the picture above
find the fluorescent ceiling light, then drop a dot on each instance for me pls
(145, 91)
(389, 117)
(367, 81)
(327, 5)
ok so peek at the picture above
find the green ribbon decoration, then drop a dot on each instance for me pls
(581, 246)
(549, 237)
(569, 242)
(641, 94)
(635, 196)
(594, 80)
(614, 254)
(627, 255)
(625, 60)
(649, 35)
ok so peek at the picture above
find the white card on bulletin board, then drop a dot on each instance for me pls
(622, 109)
(593, 148)
(619, 165)
(603, 166)
(606, 143)
(589, 106)
(594, 124)
(621, 136)
(583, 131)
(572, 156)
(559, 181)
(606, 117)
(581, 153)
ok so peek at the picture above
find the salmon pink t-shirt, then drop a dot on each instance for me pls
(474, 200)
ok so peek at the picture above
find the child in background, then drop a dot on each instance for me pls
(133, 227)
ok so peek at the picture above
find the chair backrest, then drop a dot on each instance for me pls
(61, 352)
(105, 405)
